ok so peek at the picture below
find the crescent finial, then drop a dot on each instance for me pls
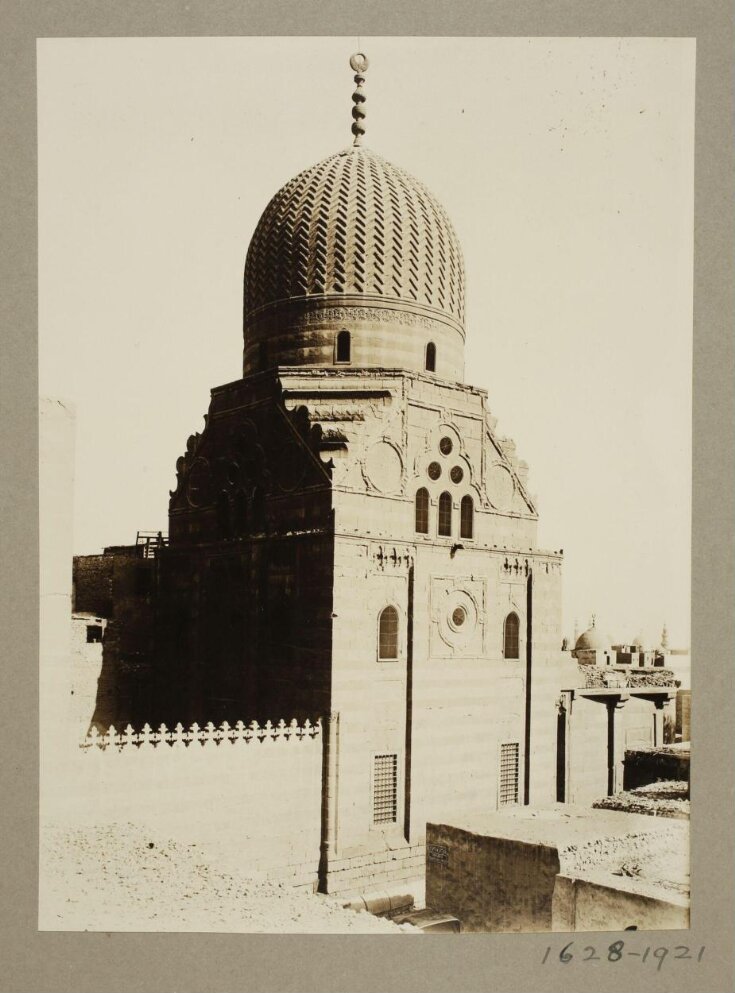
(359, 64)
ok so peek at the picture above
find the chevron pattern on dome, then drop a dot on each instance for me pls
(355, 224)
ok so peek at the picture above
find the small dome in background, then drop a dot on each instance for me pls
(592, 640)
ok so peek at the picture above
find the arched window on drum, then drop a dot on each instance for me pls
(430, 363)
(466, 518)
(511, 637)
(343, 347)
(388, 635)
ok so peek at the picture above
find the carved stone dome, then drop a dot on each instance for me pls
(354, 243)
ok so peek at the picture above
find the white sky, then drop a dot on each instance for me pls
(566, 166)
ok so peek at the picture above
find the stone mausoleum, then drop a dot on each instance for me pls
(350, 538)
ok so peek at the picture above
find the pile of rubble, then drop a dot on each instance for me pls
(121, 877)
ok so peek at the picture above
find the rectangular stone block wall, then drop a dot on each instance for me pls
(545, 688)
(490, 884)
(588, 905)
(588, 752)
(377, 870)
(653, 766)
(258, 802)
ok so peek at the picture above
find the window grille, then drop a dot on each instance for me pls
(510, 637)
(388, 635)
(422, 511)
(445, 514)
(466, 518)
(385, 789)
(508, 791)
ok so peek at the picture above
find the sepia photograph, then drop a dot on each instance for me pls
(365, 457)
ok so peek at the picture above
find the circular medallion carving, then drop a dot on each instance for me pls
(500, 487)
(199, 487)
(458, 618)
(383, 467)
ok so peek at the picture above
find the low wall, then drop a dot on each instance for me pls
(233, 790)
(653, 765)
(591, 905)
(490, 883)
(559, 868)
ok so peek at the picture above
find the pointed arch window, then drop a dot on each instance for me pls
(343, 348)
(422, 511)
(388, 635)
(511, 631)
(431, 357)
(445, 515)
(466, 518)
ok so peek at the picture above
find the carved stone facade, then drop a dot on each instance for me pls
(351, 541)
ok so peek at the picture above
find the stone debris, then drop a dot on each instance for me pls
(661, 857)
(124, 877)
(667, 798)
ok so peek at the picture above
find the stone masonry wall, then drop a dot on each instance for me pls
(233, 792)
(490, 884)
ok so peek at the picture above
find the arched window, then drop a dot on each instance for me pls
(422, 511)
(510, 636)
(445, 514)
(343, 347)
(388, 635)
(431, 357)
(466, 517)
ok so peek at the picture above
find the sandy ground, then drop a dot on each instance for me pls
(123, 877)
(661, 859)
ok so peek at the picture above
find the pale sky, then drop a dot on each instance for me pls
(566, 166)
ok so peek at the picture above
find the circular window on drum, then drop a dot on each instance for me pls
(434, 470)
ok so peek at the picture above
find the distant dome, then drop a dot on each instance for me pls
(638, 643)
(357, 242)
(592, 640)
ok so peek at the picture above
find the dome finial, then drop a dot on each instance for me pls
(359, 64)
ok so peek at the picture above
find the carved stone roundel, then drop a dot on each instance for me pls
(458, 618)
(500, 487)
(383, 467)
